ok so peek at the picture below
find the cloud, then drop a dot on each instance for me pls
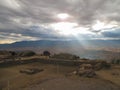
(13, 37)
(115, 33)
(32, 18)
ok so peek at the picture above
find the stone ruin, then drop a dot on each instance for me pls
(86, 70)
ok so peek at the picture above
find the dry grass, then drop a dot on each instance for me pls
(18, 80)
(112, 75)
(52, 75)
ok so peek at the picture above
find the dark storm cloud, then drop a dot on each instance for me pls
(83, 11)
(20, 16)
(41, 32)
(112, 33)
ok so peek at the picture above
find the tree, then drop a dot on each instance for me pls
(12, 53)
(46, 53)
(75, 57)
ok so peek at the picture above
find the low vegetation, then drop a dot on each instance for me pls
(31, 69)
(46, 53)
(65, 56)
(26, 53)
(116, 61)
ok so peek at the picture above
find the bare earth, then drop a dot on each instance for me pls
(71, 84)
(54, 78)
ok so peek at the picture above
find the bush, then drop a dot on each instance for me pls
(9, 53)
(46, 53)
(12, 53)
(117, 61)
(26, 53)
(66, 56)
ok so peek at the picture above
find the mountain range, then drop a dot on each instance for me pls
(94, 49)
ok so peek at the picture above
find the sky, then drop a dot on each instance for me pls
(28, 20)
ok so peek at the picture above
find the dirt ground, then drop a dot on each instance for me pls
(54, 78)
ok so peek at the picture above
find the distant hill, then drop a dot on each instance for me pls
(48, 43)
(83, 48)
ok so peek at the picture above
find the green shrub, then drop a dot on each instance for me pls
(26, 53)
(65, 56)
(116, 61)
(46, 53)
